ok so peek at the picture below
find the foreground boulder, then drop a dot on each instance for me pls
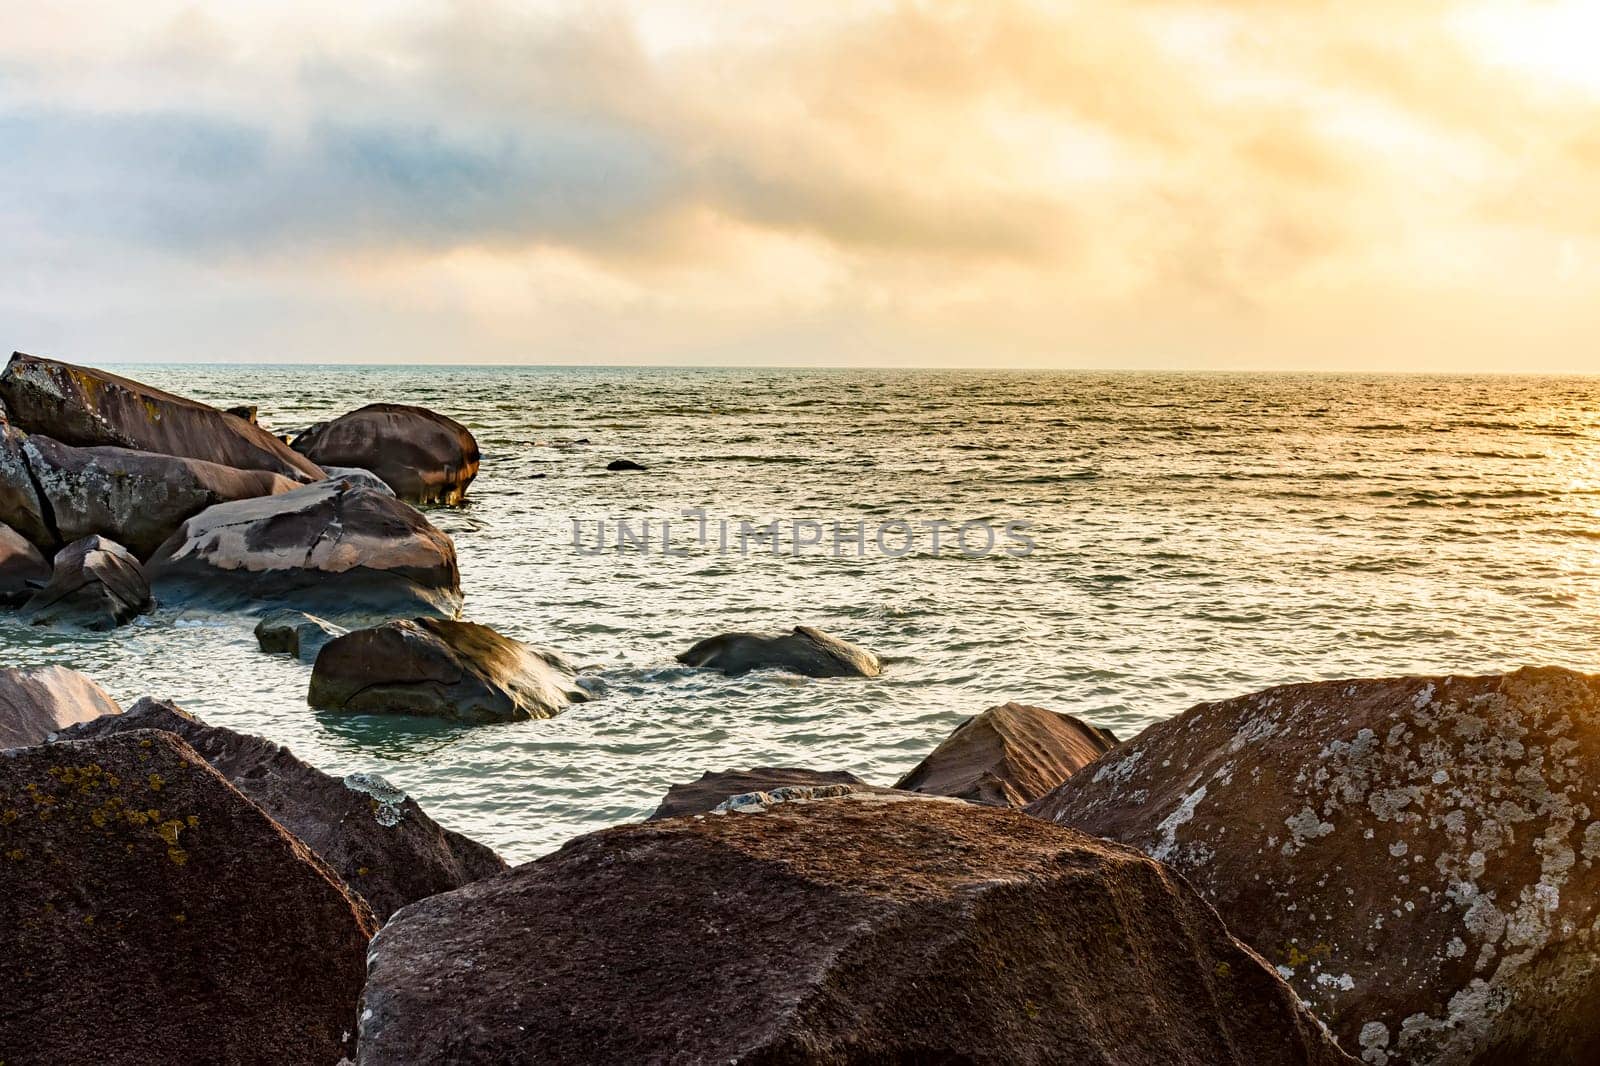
(84, 407)
(333, 549)
(384, 847)
(137, 498)
(37, 701)
(295, 633)
(23, 568)
(1008, 756)
(95, 583)
(442, 669)
(152, 914)
(853, 930)
(1419, 856)
(711, 790)
(806, 651)
(422, 455)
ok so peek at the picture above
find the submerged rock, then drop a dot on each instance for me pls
(295, 633)
(1008, 756)
(84, 407)
(136, 498)
(37, 701)
(332, 549)
(443, 669)
(852, 930)
(385, 847)
(806, 651)
(1419, 856)
(422, 455)
(710, 790)
(152, 913)
(621, 464)
(23, 568)
(95, 583)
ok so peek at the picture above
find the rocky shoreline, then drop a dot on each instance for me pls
(1394, 871)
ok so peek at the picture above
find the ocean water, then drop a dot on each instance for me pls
(1195, 536)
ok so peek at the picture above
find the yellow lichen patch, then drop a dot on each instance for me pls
(156, 782)
(1297, 958)
(1223, 970)
(180, 918)
(8, 816)
(15, 854)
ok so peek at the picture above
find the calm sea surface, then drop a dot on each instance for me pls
(1198, 536)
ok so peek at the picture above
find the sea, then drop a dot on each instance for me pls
(1118, 546)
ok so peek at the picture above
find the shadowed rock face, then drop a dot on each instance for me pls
(85, 407)
(295, 633)
(23, 568)
(333, 549)
(95, 583)
(137, 498)
(806, 651)
(20, 504)
(853, 930)
(39, 700)
(1419, 854)
(1008, 756)
(712, 789)
(384, 847)
(152, 914)
(422, 455)
(442, 669)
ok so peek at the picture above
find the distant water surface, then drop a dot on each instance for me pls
(1198, 536)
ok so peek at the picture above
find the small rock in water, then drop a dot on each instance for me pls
(623, 464)
(806, 651)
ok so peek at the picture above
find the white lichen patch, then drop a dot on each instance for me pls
(388, 802)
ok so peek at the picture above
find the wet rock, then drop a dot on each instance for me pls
(710, 790)
(621, 464)
(295, 633)
(422, 455)
(806, 651)
(153, 914)
(851, 930)
(359, 477)
(23, 568)
(333, 549)
(95, 583)
(442, 669)
(384, 847)
(1008, 756)
(136, 498)
(1419, 856)
(37, 701)
(84, 407)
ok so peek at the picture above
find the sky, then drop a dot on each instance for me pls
(1265, 184)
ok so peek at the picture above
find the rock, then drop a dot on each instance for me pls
(152, 914)
(443, 669)
(622, 464)
(853, 930)
(712, 789)
(384, 847)
(359, 477)
(136, 498)
(20, 505)
(295, 633)
(244, 412)
(95, 583)
(1420, 856)
(332, 549)
(805, 651)
(23, 568)
(37, 701)
(85, 407)
(1008, 756)
(422, 455)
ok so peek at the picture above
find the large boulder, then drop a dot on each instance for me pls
(384, 846)
(295, 633)
(137, 498)
(84, 407)
(21, 506)
(806, 651)
(153, 914)
(333, 549)
(23, 568)
(95, 583)
(422, 455)
(851, 930)
(442, 669)
(40, 700)
(1008, 756)
(1419, 856)
(711, 790)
